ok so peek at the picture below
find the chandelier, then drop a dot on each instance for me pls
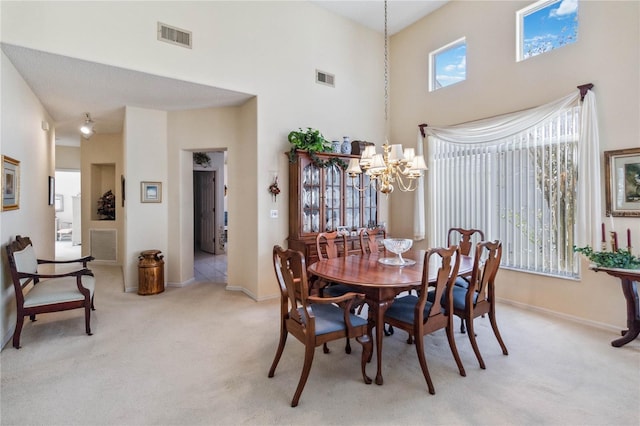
(87, 129)
(394, 165)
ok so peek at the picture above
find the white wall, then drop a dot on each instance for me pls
(22, 138)
(146, 224)
(270, 49)
(606, 54)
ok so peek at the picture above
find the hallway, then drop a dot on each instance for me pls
(208, 267)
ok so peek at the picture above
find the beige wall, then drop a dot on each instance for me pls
(606, 54)
(102, 166)
(270, 49)
(67, 157)
(22, 138)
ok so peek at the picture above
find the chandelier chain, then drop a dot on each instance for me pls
(386, 70)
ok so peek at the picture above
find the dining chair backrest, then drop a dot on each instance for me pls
(330, 245)
(449, 259)
(291, 273)
(370, 240)
(464, 238)
(486, 263)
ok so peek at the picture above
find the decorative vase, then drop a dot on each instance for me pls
(346, 145)
(335, 146)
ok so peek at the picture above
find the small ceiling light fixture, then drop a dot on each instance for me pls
(87, 128)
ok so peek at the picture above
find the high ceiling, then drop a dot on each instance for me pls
(68, 87)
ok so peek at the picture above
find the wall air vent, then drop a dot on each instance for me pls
(174, 35)
(325, 78)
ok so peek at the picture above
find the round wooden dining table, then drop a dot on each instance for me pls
(380, 283)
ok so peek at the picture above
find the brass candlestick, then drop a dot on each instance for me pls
(614, 241)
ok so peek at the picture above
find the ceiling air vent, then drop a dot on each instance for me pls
(174, 35)
(325, 78)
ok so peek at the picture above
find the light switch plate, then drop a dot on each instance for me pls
(274, 214)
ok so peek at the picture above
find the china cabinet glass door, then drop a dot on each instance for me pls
(332, 198)
(311, 198)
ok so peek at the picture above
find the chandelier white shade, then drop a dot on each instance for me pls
(393, 166)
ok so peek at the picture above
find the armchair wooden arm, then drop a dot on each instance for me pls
(84, 260)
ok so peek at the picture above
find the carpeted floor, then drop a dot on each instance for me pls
(199, 355)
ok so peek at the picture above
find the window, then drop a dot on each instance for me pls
(520, 189)
(546, 25)
(448, 65)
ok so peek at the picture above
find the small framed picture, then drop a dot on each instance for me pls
(10, 183)
(151, 192)
(52, 190)
(622, 185)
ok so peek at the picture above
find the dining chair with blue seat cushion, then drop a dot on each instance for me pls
(478, 298)
(330, 245)
(418, 316)
(464, 238)
(313, 320)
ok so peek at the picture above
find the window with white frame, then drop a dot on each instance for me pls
(520, 190)
(546, 25)
(448, 65)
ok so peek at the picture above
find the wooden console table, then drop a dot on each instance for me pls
(629, 278)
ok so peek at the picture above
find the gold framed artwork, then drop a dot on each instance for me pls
(151, 192)
(622, 184)
(10, 183)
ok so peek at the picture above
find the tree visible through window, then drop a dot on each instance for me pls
(448, 65)
(546, 25)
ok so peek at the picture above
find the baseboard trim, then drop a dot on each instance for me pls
(572, 318)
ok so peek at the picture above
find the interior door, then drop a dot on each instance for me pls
(204, 208)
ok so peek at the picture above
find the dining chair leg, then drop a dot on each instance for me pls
(325, 348)
(309, 351)
(283, 340)
(454, 348)
(347, 347)
(423, 362)
(494, 326)
(474, 343)
(367, 351)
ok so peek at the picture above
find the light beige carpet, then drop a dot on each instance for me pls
(199, 355)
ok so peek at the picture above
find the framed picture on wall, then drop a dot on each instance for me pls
(52, 190)
(151, 192)
(622, 185)
(10, 183)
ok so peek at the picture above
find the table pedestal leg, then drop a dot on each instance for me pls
(378, 314)
(633, 313)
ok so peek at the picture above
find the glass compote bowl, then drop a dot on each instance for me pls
(397, 246)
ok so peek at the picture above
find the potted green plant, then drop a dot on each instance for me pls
(312, 141)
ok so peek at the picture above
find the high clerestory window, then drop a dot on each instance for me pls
(448, 65)
(544, 26)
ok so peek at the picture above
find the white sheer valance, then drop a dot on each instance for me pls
(497, 128)
(494, 129)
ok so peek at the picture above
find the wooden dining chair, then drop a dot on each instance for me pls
(418, 316)
(464, 238)
(313, 320)
(330, 245)
(370, 240)
(478, 298)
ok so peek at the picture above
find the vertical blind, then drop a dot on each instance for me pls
(520, 189)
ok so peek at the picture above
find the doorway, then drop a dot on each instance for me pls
(209, 217)
(68, 227)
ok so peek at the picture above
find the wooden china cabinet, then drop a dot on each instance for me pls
(323, 197)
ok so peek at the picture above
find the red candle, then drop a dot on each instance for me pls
(629, 238)
(604, 239)
(614, 243)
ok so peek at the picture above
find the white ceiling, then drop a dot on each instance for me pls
(68, 87)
